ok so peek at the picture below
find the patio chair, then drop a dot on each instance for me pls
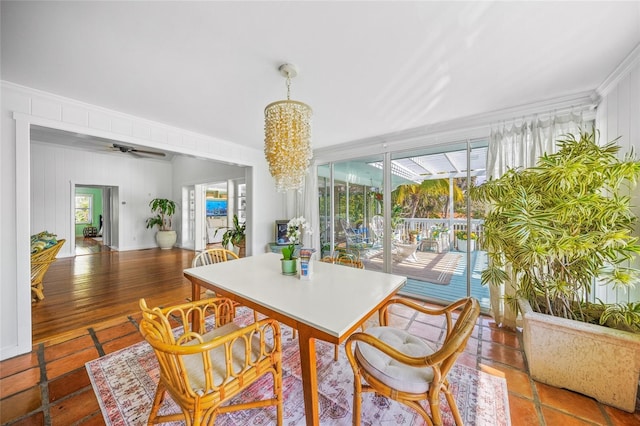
(354, 240)
(377, 228)
(40, 262)
(202, 372)
(398, 365)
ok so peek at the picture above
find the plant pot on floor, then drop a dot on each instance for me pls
(597, 361)
(241, 246)
(166, 239)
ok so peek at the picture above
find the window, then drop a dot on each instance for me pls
(83, 209)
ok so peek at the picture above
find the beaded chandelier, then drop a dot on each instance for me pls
(287, 140)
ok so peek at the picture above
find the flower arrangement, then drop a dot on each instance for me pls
(295, 227)
(437, 230)
(462, 235)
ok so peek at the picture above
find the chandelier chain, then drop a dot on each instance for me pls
(288, 87)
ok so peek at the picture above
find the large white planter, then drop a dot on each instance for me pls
(466, 245)
(166, 239)
(597, 361)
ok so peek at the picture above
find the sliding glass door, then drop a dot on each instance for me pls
(350, 199)
(421, 227)
(435, 245)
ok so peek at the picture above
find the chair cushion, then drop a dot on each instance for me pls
(194, 364)
(43, 241)
(391, 372)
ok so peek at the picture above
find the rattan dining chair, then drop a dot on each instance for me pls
(215, 255)
(211, 256)
(203, 367)
(398, 365)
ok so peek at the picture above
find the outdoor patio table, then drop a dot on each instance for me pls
(405, 251)
(330, 306)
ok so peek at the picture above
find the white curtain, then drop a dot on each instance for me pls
(308, 204)
(520, 146)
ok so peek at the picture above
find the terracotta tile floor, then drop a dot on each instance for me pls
(50, 385)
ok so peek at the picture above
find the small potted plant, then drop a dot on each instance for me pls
(235, 235)
(164, 209)
(465, 244)
(295, 227)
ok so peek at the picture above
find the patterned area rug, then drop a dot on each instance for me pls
(125, 384)
(436, 268)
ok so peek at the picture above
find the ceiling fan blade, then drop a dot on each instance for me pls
(140, 151)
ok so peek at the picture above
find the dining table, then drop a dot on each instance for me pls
(333, 303)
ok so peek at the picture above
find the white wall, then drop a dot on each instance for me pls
(618, 115)
(55, 168)
(21, 107)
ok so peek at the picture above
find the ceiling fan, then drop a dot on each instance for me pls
(135, 151)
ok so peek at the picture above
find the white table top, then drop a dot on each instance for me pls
(333, 300)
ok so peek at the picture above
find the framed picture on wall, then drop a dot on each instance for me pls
(281, 232)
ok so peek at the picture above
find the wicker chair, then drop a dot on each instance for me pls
(202, 372)
(210, 256)
(393, 363)
(345, 258)
(216, 255)
(40, 263)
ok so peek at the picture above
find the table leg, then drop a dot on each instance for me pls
(309, 374)
(195, 292)
(195, 296)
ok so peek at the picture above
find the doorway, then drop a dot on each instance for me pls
(95, 219)
(209, 211)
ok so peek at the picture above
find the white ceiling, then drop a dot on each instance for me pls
(366, 68)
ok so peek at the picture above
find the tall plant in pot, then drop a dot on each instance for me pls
(552, 232)
(235, 235)
(164, 210)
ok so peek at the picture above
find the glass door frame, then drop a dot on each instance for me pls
(387, 156)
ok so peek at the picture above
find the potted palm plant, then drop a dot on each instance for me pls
(235, 236)
(164, 209)
(554, 231)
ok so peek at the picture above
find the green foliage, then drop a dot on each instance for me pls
(462, 235)
(396, 216)
(164, 210)
(287, 252)
(624, 316)
(561, 225)
(234, 235)
(427, 199)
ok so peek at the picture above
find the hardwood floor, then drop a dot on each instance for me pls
(107, 285)
(90, 245)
